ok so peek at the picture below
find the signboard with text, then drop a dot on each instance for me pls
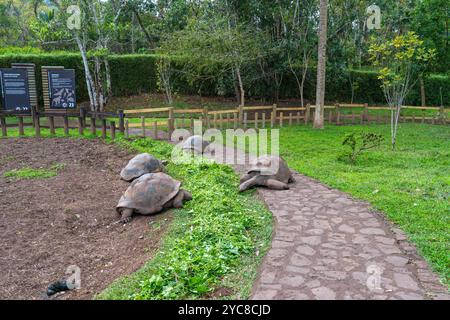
(14, 90)
(61, 87)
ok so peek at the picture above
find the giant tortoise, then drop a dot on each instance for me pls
(150, 194)
(140, 165)
(196, 145)
(267, 171)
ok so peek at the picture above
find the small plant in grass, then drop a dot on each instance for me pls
(31, 173)
(359, 143)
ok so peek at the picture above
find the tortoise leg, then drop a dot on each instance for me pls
(276, 185)
(127, 215)
(246, 177)
(292, 179)
(178, 200)
(250, 183)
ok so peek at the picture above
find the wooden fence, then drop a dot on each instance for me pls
(83, 120)
(155, 120)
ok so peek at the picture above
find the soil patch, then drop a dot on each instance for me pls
(47, 225)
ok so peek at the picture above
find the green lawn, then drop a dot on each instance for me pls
(411, 185)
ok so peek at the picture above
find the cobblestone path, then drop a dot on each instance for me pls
(329, 246)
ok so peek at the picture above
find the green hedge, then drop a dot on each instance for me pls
(135, 74)
(130, 74)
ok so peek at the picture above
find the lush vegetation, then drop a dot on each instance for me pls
(251, 48)
(137, 74)
(410, 185)
(215, 243)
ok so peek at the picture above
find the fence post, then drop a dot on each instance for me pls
(241, 113)
(273, 120)
(366, 112)
(235, 116)
(221, 121)
(155, 129)
(171, 123)
(245, 120)
(66, 125)
(143, 126)
(3, 124)
(215, 121)
(127, 130)
(263, 120)
(112, 130)
(80, 126)
(37, 126)
(33, 114)
(21, 130)
(307, 113)
(51, 122)
(121, 121)
(93, 127)
(206, 117)
(338, 114)
(290, 118)
(256, 120)
(442, 115)
(104, 127)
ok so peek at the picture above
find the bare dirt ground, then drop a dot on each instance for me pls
(50, 224)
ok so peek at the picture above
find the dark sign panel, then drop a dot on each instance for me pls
(14, 90)
(62, 89)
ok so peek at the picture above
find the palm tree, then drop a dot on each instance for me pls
(321, 65)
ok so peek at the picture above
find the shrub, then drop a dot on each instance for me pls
(359, 143)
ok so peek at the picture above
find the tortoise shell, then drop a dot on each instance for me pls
(149, 193)
(140, 165)
(273, 167)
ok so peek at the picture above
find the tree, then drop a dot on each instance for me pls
(400, 62)
(321, 65)
(211, 47)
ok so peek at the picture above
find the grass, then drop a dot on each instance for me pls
(216, 242)
(410, 185)
(28, 173)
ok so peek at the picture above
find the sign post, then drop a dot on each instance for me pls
(14, 90)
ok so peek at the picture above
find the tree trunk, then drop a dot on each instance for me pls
(108, 78)
(141, 25)
(321, 65)
(133, 40)
(87, 72)
(422, 92)
(241, 86)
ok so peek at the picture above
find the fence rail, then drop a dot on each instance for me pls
(169, 119)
